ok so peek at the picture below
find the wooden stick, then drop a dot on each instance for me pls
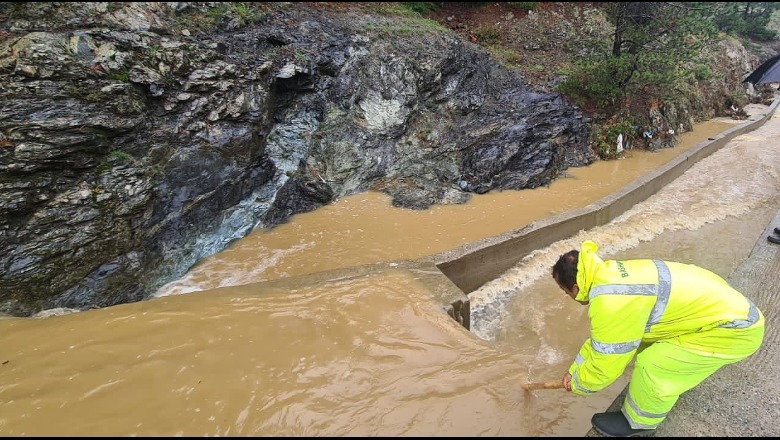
(551, 385)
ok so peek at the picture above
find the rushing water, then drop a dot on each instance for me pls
(365, 228)
(370, 353)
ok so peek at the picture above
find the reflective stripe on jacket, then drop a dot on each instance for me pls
(638, 302)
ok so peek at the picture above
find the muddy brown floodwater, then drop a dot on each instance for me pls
(371, 353)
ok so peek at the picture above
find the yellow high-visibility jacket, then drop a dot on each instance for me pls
(638, 302)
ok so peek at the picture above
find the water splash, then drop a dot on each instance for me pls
(738, 178)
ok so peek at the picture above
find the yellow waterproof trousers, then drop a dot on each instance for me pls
(668, 368)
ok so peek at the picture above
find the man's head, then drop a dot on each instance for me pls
(564, 272)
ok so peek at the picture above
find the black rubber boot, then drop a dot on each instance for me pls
(773, 239)
(614, 424)
(777, 230)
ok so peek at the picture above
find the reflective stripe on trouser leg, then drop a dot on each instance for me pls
(665, 370)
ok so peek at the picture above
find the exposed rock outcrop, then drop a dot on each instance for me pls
(133, 143)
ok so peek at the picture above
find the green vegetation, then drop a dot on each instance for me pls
(488, 34)
(652, 44)
(655, 50)
(286, 54)
(122, 76)
(120, 156)
(604, 138)
(242, 10)
(115, 158)
(656, 54)
(239, 14)
(507, 57)
(524, 6)
(422, 8)
(744, 19)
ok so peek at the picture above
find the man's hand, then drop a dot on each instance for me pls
(567, 381)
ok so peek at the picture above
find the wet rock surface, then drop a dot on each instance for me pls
(135, 140)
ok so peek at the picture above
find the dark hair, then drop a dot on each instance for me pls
(565, 269)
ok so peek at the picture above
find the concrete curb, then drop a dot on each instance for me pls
(472, 265)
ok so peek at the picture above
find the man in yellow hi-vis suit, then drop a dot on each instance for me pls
(684, 322)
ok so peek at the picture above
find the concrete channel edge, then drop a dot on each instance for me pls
(471, 266)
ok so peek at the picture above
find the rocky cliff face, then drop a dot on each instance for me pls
(138, 138)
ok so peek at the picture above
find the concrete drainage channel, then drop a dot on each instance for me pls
(471, 266)
(450, 276)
